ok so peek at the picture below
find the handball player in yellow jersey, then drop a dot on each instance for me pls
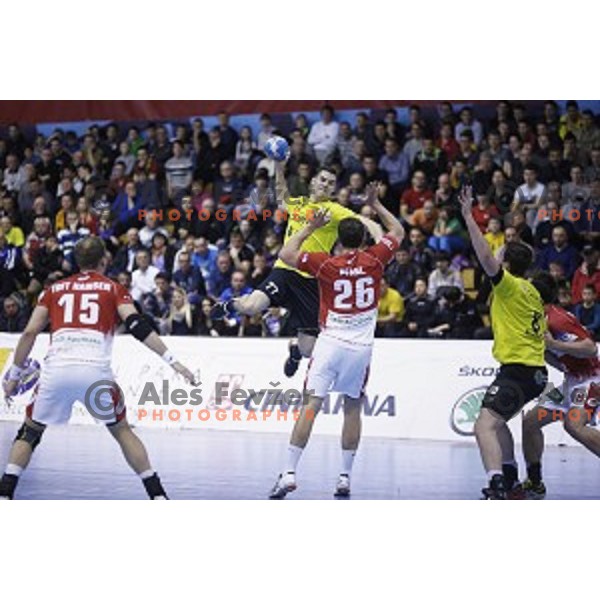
(287, 286)
(519, 327)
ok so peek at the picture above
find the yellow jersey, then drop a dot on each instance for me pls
(391, 302)
(300, 210)
(518, 322)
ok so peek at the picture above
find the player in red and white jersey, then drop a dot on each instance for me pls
(83, 311)
(349, 287)
(571, 349)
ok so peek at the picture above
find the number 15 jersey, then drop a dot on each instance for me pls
(83, 316)
(349, 288)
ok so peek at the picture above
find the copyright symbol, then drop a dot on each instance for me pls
(104, 400)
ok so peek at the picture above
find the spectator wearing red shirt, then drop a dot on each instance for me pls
(447, 143)
(414, 197)
(586, 274)
(483, 211)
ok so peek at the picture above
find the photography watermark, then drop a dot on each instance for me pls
(105, 398)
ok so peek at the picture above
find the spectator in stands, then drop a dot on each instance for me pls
(560, 251)
(588, 224)
(530, 195)
(448, 233)
(443, 276)
(468, 150)
(390, 311)
(87, 218)
(501, 192)
(415, 142)
(587, 274)
(229, 135)
(14, 315)
(402, 273)
(517, 220)
(178, 172)
(497, 152)
(299, 182)
(14, 234)
(42, 229)
(324, 134)
(244, 148)
(344, 144)
(238, 287)
(151, 226)
(68, 238)
(414, 197)
(240, 253)
(482, 174)
(204, 257)
(161, 253)
(266, 131)
(576, 186)
(143, 279)
(181, 319)
(228, 188)
(221, 278)
(483, 211)
(571, 121)
(396, 164)
(592, 171)
(444, 193)
(48, 261)
(124, 259)
(468, 123)
(419, 315)
(259, 271)
(126, 208)
(189, 278)
(431, 161)
(588, 311)
(494, 235)
(456, 316)
(425, 218)
(208, 327)
(447, 143)
(420, 254)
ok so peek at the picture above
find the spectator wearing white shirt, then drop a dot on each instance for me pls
(468, 122)
(530, 195)
(324, 134)
(443, 276)
(143, 278)
(266, 131)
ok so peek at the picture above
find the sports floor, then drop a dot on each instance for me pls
(83, 462)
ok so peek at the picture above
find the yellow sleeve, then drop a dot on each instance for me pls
(339, 212)
(396, 305)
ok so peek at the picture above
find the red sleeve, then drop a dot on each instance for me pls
(122, 296)
(384, 251)
(310, 262)
(45, 298)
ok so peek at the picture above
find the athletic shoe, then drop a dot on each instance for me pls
(496, 489)
(342, 488)
(221, 310)
(534, 491)
(293, 361)
(286, 483)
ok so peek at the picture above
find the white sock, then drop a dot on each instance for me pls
(493, 472)
(12, 469)
(146, 474)
(347, 461)
(293, 456)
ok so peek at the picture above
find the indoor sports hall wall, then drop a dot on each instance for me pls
(417, 389)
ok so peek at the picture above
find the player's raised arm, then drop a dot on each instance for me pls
(141, 330)
(390, 223)
(37, 323)
(290, 253)
(482, 249)
(585, 348)
(282, 192)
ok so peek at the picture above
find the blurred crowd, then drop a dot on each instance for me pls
(534, 170)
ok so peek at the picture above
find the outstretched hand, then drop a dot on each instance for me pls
(466, 201)
(372, 193)
(320, 218)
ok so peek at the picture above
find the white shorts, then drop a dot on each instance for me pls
(60, 387)
(338, 367)
(574, 393)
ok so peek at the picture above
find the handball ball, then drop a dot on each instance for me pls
(29, 378)
(277, 148)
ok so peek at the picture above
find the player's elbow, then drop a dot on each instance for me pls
(289, 257)
(589, 349)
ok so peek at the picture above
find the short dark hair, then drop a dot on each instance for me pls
(328, 169)
(351, 233)
(519, 258)
(89, 252)
(545, 284)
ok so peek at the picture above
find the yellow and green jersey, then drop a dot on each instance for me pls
(300, 210)
(518, 322)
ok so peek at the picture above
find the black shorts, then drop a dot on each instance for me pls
(514, 386)
(300, 295)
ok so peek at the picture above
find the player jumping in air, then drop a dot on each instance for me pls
(349, 287)
(83, 311)
(518, 325)
(571, 349)
(288, 286)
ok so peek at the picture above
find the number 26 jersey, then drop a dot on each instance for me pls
(83, 317)
(349, 289)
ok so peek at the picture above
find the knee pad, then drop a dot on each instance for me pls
(29, 435)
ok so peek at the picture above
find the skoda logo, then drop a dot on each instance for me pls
(466, 410)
